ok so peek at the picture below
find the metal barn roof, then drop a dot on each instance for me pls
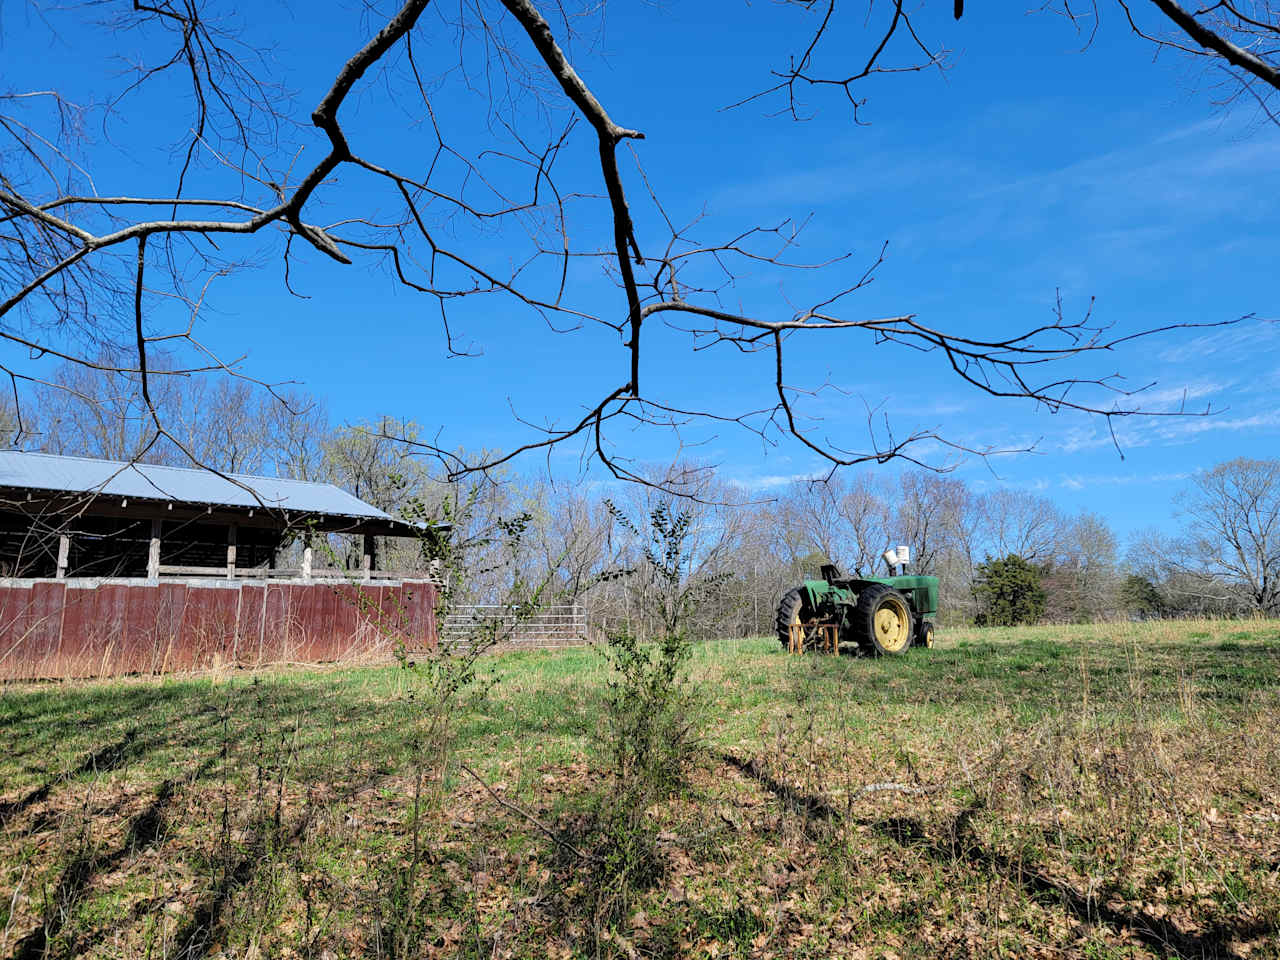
(43, 471)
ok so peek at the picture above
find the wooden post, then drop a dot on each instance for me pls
(153, 554)
(64, 553)
(368, 565)
(232, 530)
(306, 556)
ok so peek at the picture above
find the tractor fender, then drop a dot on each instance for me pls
(921, 592)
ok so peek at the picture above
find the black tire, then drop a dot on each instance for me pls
(924, 634)
(883, 622)
(790, 610)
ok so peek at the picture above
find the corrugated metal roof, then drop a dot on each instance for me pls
(43, 471)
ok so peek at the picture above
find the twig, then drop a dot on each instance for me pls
(514, 808)
(13, 906)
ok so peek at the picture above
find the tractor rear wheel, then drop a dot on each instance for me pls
(882, 621)
(790, 611)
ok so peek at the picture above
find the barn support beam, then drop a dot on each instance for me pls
(153, 552)
(64, 554)
(370, 560)
(233, 531)
(306, 556)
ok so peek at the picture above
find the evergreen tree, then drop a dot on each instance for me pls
(1009, 592)
(1139, 595)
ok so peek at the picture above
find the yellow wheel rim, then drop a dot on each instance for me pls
(893, 625)
(806, 636)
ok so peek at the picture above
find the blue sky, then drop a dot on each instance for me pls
(1031, 166)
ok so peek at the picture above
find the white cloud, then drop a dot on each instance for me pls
(1170, 431)
(1174, 399)
(1239, 340)
(1077, 481)
(769, 481)
(1085, 438)
(1194, 426)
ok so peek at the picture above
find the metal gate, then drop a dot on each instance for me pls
(490, 622)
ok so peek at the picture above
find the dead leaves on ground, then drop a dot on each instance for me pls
(1066, 841)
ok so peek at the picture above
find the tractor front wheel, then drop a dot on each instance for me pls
(924, 634)
(882, 621)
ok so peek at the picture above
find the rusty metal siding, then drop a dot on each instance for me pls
(141, 630)
(248, 640)
(53, 629)
(32, 621)
(43, 624)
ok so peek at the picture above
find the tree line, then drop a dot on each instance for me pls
(636, 555)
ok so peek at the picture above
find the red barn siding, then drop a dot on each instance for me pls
(72, 628)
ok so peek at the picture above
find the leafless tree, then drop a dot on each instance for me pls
(1160, 558)
(225, 423)
(1082, 578)
(1022, 523)
(810, 521)
(844, 518)
(929, 510)
(1232, 533)
(570, 540)
(85, 266)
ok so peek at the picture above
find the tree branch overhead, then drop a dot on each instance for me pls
(236, 191)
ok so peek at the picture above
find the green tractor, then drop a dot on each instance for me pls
(881, 615)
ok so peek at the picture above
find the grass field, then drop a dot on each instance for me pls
(1095, 791)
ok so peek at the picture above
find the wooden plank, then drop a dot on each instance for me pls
(269, 573)
(192, 571)
(64, 554)
(343, 626)
(13, 604)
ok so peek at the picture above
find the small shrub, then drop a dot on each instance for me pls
(647, 711)
(649, 736)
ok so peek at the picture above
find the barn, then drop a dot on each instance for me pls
(109, 568)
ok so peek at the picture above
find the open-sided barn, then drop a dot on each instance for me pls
(109, 567)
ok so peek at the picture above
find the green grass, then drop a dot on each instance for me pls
(1092, 791)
